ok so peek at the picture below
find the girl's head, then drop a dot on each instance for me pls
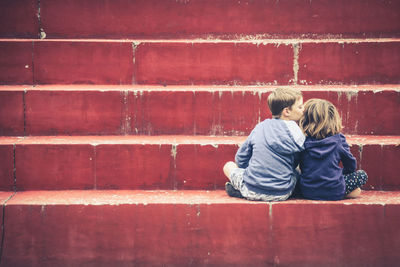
(321, 119)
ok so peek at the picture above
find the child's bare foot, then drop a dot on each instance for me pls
(355, 193)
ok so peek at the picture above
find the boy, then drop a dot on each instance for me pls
(266, 162)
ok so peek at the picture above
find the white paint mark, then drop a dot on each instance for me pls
(351, 94)
(213, 145)
(304, 82)
(134, 48)
(174, 151)
(296, 50)
(126, 124)
(360, 149)
(42, 34)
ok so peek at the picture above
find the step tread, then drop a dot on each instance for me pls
(200, 88)
(144, 197)
(4, 196)
(214, 40)
(170, 139)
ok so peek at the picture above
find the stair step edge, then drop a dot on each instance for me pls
(146, 197)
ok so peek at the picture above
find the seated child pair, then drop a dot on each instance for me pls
(265, 165)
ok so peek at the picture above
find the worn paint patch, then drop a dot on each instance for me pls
(296, 51)
(126, 119)
(134, 48)
(351, 94)
(174, 151)
(213, 145)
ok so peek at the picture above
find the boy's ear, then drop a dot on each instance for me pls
(286, 112)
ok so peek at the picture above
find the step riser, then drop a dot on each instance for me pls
(220, 63)
(174, 112)
(183, 63)
(19, 19)
(42, 167)
(7, 174)
(238, 234)
(199, 19)
(12, 119)
(355, 63)
(379, 162)
(153, 166)
(317, 63)
(16, 63)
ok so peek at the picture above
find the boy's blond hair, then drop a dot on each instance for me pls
(321, 119)
(282, 98)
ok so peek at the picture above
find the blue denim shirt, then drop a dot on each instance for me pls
(270, 155)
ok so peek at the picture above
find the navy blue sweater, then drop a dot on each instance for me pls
(321, 175)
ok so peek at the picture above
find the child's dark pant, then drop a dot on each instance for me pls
(354, 180)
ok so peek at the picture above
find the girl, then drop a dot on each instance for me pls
(325, 147)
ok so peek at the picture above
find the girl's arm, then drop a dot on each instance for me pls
(348, 160)
(244, 153)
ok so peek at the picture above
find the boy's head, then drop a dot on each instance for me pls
(321, 119)
(286, 104)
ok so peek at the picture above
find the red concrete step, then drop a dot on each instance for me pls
(199, 19)
(349, 63)
(197, 228)
(19, 19)
(155, 162)
(186, 110)
(66, 62)
(199, 62)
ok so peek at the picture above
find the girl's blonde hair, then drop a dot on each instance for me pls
(321, 119)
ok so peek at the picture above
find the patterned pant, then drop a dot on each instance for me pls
(354, 180)
(237, 183)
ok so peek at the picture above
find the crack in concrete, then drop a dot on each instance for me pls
(14, 169)
(24, 109)
(3, 230)
(41, 33)
(172, 172)
(94, 167)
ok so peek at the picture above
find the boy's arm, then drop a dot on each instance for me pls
(296, 161)
(348, 160)
(297, 134)
(244, 153)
